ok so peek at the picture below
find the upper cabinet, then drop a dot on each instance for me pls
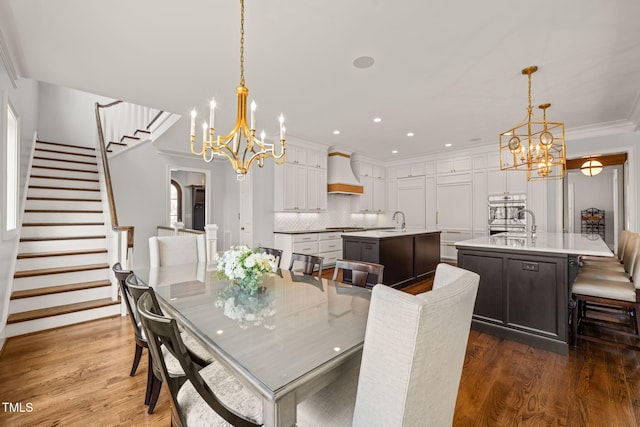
(504, 182)
(301, 183)
(453, 165)
(372, 178)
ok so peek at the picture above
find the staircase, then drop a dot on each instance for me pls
(62, 268)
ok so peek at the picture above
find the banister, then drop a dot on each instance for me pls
(107, 177)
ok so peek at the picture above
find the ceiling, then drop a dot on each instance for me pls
(450, 72)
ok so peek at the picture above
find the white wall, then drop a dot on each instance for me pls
(24, 99)
(67, 115)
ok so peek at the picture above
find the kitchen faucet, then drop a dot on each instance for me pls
(533, 219)
(395, 218)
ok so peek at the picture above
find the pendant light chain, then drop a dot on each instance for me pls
(241, 42)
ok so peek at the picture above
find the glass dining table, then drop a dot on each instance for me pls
(285, 342)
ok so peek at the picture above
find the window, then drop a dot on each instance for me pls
(11, 167)
(176, 203)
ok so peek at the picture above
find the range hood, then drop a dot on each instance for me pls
(340, 177)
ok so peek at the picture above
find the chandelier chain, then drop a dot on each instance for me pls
(241, 42)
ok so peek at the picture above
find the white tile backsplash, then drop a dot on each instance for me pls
(338, 215)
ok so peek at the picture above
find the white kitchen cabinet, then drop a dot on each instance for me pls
(454, 202)
(412, 201)
(480, 209)
(316, 159)
(392, 195)
(506, 182)
(302, 180)
(327, 245)
(411, 170)
(371, 177)
(431, 207)
(316, 189)
(453, 165)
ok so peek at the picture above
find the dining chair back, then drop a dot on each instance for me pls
(414, 349)
(163, 331)
(358, 273)
(309, 263)
(141, 342)
(173, 250)
(277, 253)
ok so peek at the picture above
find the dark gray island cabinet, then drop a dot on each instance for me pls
(525, 282)
(407, 256)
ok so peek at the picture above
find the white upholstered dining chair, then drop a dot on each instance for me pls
(174, 250)
(412, 359)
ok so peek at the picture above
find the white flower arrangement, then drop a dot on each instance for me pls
(245, 267)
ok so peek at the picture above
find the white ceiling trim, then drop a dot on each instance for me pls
(601, 129)
(634, 115)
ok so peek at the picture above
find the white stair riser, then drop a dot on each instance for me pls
(21, 328)
(66, 149)
(63, 205)
(70, 174)
(63, 231)
(80, 157)
(62, 298)
(62, 245)
(35, 282)
(67, 183)
(67, 194)
(64, 164)
(31, 217)
(39, 263)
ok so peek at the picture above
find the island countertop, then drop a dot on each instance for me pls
(383, 234)
(564, 243)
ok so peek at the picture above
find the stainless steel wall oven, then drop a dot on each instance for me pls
(505, 213)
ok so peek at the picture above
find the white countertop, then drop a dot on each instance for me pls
(567, 243)
(382, 234)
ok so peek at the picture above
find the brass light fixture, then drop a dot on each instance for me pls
(535, 145)
(240, 146)
(591, 167)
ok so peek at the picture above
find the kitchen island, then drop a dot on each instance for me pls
(525, 283)
(407, 256)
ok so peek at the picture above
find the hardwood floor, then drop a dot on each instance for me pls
(78, 376)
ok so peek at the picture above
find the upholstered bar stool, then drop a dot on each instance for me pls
(617, 272)
(599, 261)
(610, 305)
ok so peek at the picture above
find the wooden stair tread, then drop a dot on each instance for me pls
(62, 211)
(64, 199)
(59, 289)
(66, 178)
(47, 187)
(64, 169)
(61, 309)
(44, 239)
(46, 150)
(117, 143)
(142, 131)
(30, 255)
(129, 137)
(59, 270)
(66, 161)
(65, 145)
(59, 224)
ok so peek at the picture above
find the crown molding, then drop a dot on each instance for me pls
(8, 63)
(601, 129)
(634, 115)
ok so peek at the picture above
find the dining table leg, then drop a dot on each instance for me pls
(280, 412)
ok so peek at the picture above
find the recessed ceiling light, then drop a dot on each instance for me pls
(336, 132)
(363, 62)
(377, 120)
(447, 145)
(410, 133)
(336, 349)
(394, 152)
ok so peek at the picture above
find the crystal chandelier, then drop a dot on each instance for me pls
(240, 146)
(535, 145)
